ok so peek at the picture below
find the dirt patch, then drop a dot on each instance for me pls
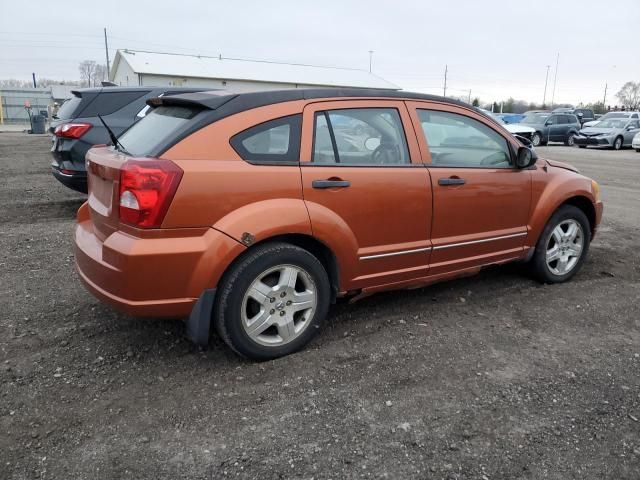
(491, 376)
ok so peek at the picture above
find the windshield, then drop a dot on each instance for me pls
(143, 137)
(609, 115)
(612, 123)
(535, 118)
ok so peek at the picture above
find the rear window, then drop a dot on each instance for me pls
(68, 108)
(143, 137)
(108, 102)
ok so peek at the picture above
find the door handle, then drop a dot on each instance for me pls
(331, 183)
(451, 181)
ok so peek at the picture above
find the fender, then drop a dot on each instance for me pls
(259, 221)
(548, 197)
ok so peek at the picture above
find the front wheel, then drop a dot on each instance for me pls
(638, 150)
(582, 146)
(536, 139)
(570, 140)
(563, 245)
(272, 302)
(617, 143)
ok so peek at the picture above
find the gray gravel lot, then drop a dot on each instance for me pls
(489, 377)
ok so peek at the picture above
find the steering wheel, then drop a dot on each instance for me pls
(384, 153)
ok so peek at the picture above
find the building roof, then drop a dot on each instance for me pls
(156, 63)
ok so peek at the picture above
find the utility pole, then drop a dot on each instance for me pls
(546, 79)
(446, 69)
(469, 102)
(106, 51)
(370, 59)
(33, 75)
(604, 100)
(555, 79)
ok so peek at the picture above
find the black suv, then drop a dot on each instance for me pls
(552, 127)
(76, 127)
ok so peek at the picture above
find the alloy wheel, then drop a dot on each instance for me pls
(279, 305)
(564, 247)
(617, 145)
(536, 140)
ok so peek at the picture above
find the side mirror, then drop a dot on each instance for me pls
(526, 157)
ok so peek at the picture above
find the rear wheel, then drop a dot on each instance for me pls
(272, 302)
(582, 146)
(563, 245)
(638, 150)
(617, 143)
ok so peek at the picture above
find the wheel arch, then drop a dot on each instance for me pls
(315, 247)
(584, 204)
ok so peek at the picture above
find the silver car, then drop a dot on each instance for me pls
(608, 115)
(636, 142)
(613, 132)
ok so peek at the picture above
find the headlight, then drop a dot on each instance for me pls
(595, 189)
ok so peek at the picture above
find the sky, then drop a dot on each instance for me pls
(495, 48)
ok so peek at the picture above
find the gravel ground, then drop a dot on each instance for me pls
(489, 377)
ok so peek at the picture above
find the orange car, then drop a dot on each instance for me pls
(254, 212)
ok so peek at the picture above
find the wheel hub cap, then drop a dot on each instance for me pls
(279, 305)
(564, 247)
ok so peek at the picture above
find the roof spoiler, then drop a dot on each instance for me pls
(205, 101)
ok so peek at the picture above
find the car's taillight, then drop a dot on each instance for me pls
(72, 130)
(146, 190)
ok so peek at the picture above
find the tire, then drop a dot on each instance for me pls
(569, 142)
(582, 146)
(552, 271)
(617, 143)
(268, 268)
(638, 150)
(536, 139)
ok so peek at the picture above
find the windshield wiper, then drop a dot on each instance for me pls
(112, 136)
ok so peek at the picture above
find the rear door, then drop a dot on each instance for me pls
(480, 200)
(364, 184)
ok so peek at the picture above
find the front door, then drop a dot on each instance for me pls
(366, 190)
(480, 200)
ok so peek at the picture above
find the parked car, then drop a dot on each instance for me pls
(613, 132)
(515, 129)
(583, 114)
(552, 127)
(609, 115)
(636, 142)
(511, 117)
(76, 127)
(203, 212)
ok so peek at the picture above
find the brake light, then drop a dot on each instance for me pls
(146, 190)
(72, 130)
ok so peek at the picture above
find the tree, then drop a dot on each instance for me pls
(476, 102)
(87, 69)
(629, 95)
(99, 74)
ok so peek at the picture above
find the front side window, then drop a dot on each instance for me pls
(459, 141)
(360, 136)
(274, 141)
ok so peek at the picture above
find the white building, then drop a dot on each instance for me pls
(135, 67)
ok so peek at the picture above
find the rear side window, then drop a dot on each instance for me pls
(143, 137)
(275, 141)
(68, 108)
(108, 102)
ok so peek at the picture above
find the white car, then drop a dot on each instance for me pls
(635, 143)
(513, 128)
(609, 115)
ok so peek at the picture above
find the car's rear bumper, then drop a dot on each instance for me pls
(597, 141)
(151, 277)
(72, 179)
